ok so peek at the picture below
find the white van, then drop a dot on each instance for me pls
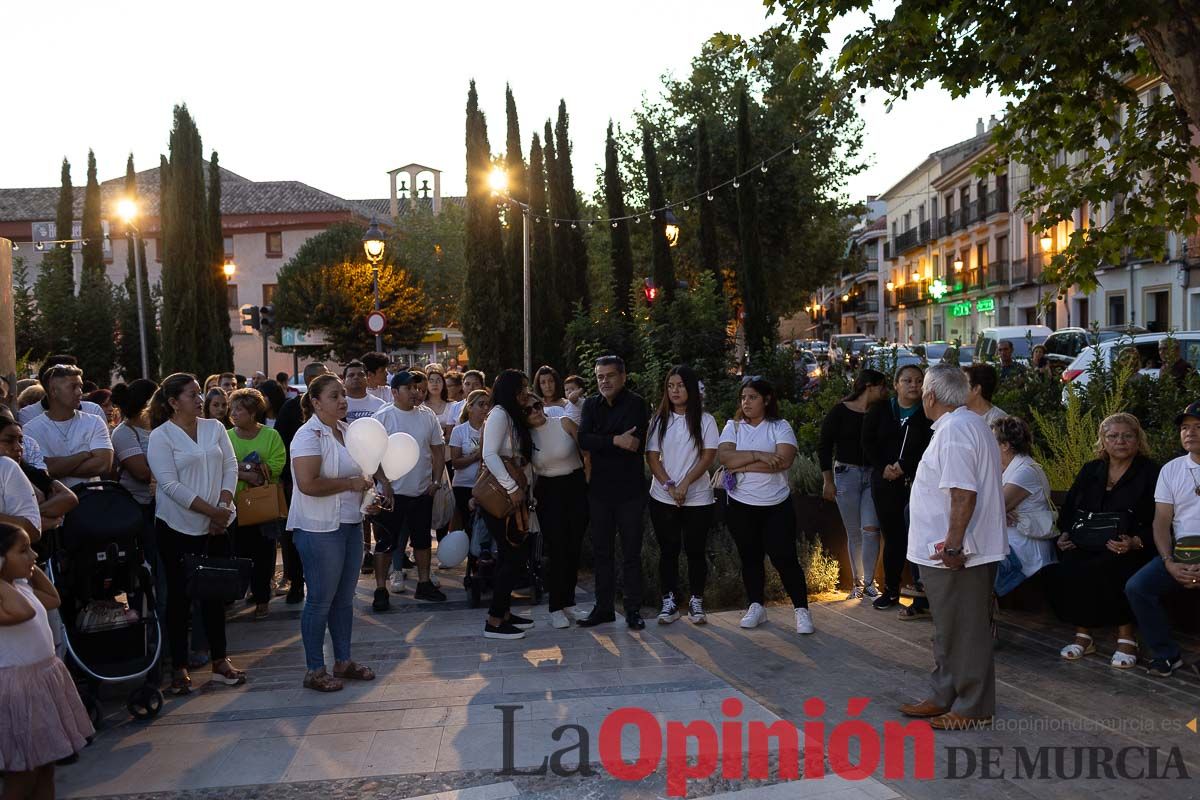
(1023, 338)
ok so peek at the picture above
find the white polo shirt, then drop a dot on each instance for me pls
(679, 456)
(1177, 482)
(963, 454)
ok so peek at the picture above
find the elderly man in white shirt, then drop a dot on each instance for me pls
(957, 535)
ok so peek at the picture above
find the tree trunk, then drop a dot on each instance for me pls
(1174, 43)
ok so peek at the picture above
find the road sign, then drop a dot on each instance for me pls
(294, 337)
(376, 322)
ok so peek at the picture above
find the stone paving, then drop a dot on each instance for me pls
(427, 727)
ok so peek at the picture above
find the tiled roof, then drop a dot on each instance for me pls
(382, 207)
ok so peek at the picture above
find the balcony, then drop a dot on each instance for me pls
(997, 273)
(974, 280)
(1020, 272)
(905, 241)
(860, 305)
(910, 293)
(997, 202)
(923, 232)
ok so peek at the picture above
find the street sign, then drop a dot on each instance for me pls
(294, 337)
(960, 309)
(376, 322)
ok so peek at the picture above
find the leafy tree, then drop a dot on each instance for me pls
(128, 354)
(574, 260)
(432, 248)
(491, 329)
(327, 286)
(54, 289)
(29, 341)
(549, 310)
(221, 342)
(664, 267)
(95, 317)
(709, 255)
(758, 325)
(620, 246)
(1069, 73)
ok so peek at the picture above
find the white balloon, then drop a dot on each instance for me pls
(401, 456)
(453, 549)
(367, 441)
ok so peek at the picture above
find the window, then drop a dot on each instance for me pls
(229, 247)
(921, 213)
(1116, 309)
(981, 255)
(1002, 248)
(269, 293)
(933, 208)
(232, 294)
(1158, 310)
(907, 220)
(274, 244)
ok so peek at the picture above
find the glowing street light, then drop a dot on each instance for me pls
(229, 269)
(498, 180)
(127, 210)
(373, 246)
(958, 264)
(1047, 241)
(671, 228)
(891, 287)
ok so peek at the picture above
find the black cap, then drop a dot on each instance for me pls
(402, 378)
(1192, 410)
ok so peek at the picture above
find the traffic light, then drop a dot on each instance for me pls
(651, 290)
(250, 317)
(266, 316)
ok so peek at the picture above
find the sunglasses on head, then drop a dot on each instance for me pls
(749, 379)
(536, 405)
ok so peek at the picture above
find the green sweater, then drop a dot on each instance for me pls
(269, 446)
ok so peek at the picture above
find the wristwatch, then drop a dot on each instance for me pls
(669, 484)
(954, 552)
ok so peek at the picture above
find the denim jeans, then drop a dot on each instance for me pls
(331, 563)
(1145, 590)
(858, 513)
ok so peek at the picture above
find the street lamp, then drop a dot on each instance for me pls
(1047, 241)
(373, 246)
(229, 269)
(127, 210)
(498, 181)
(671, 228)
(958, 264)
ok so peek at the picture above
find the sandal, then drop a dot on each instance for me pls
(224, 672)
(260, 611)
(908, 613)
(1074, 651)
(1124, 660)
(355, 672)
(181, 684)
(322, 681)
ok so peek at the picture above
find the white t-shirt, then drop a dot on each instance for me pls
(679, 457)
(33, 452)
(992, 414)
(129, 441)
(17, 498)
(384, 393)
(31, 412)
(1032, 538)
(468, 440)
(963, 454)
(324, 514)
(759, 488)
(574, 411)
(359, 407)
(454, 412)
(421, 424)
(554, 450)
(1176, 485)
(83, 433)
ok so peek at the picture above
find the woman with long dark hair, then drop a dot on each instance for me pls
(681, 444)
(216, 406)
(548, 386)
(506, 436)
(848, 479)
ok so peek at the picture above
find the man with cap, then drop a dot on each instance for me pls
(408, 501)
(1177, 539)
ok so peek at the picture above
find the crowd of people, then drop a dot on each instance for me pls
(926, 470)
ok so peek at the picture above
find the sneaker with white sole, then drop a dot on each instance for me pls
(696, 613)
(856, 593)
(804, 623)
(559, 620)
(870, 590)
(755, 615)
(670, 611)
(569, 611)
(396, 582)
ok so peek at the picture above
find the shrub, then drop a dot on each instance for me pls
(821, 568)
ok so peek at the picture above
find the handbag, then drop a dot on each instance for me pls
(443, 504)
(216, 578)
(1095, 529)
(493, 498)
(259, 504)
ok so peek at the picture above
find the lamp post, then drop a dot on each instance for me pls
(671, 228)
(373, 246)
(230, 269)
(127, 210)
(498, 181)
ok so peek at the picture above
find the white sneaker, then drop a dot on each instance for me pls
(755, 615)
(559, 620)
(396, 582)
(670, 612)
(804, 623)
(569, 611)
(696, 611)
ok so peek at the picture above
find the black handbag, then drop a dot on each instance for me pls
(219, 578)
(1095, 529)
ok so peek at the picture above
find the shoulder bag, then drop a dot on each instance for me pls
(259, 504)
(221, 578)
(493, 498)
(1094, 529)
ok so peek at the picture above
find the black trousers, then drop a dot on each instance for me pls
(891, 498)
(293, 568)
(252, 543)
(462, 501)
(610, 516)
(767, 532)
(686, 528)
(172, 546)
(510, 560)
(562, 511)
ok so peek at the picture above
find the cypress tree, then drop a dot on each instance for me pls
(54, 289)
(95, 319)
(492, 329)
(560, 241)
(710, 259)
(129, 359)
(222, 346)
(550, 312)
(187, 330)
(756, 326)
(514, 164)
(620, 246)
(28, 329)
(577, 256)
(663, 266)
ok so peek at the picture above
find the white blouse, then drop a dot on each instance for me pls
(324, 514)
(187, 469)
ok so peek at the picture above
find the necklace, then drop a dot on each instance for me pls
(58, 426)
(1195, 483)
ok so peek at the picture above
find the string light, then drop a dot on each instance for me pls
(686, 207)
(736, 185)
(710, 196)
(764, 166)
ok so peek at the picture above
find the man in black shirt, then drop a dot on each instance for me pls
(613, 431)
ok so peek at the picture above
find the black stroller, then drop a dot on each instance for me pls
(481, 564)
(111, 630)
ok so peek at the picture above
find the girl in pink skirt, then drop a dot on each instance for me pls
(41, 716)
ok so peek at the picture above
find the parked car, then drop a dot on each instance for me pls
(966, 355)
(932, 351)
(808, 368)
(1065, 344)
(1023, 338)
(1078, 372)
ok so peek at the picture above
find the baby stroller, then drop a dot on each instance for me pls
(111, 631)
(481, 565)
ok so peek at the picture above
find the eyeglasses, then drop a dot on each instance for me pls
(536, 405)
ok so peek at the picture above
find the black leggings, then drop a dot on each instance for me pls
(252, 544)
(767, 531)
(509, 562)
(686, 528)
(890, 498)
(172, 546)
(562, 511)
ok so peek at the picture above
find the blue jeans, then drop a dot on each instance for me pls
(858, 514)
(331, 563)
(1145, 590)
